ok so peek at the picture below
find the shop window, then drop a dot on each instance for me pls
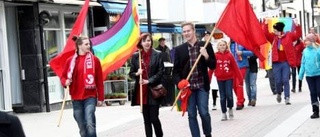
(54, 20)
(69, 19)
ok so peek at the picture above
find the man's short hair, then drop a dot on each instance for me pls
(188, 23)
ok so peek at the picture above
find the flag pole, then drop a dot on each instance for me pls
(193, 67)
(62, 106)
(140, 67)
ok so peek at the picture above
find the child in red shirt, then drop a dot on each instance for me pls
(226, 71)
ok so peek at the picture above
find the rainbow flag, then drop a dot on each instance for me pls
(266, 49)
(115, 46)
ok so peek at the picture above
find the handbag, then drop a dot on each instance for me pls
(158, 91)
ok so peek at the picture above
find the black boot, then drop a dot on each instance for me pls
(315, 110)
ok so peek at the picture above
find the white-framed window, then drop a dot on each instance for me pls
(56, 33)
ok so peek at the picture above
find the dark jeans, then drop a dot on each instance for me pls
(281, 73)
(272, 82)
(198, 100)
(84, 114)
(151, 118)
(294, 79)
(314, 87)
(226, 96)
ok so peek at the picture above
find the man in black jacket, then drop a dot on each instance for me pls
(186, 55)
(10, 126)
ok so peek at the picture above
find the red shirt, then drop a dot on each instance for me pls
(226, 66)
(77, 87)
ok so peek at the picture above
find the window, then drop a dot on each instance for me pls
(69, 19)
(57, 31)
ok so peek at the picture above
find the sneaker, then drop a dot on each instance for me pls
(253, 102)
(314, 115)
(279, 98)
(230, 113)
(287, 101)
(300, 90)
(249, 103)
(239, 107)
(214, 107)
(293, 90)
(224, 117)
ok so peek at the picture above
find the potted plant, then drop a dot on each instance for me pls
(114, 95)
(121, 76)
(107, 96)
(113, 76)
(122, 95)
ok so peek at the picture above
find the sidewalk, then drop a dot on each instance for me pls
(268, 118)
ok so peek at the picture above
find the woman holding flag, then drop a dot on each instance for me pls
(151, 70)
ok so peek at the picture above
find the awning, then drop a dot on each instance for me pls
(118, 8)
(76, 2)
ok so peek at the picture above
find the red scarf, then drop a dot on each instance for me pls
(89, 67)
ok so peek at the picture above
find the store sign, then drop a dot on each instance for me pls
(55, 90)
(217, 35)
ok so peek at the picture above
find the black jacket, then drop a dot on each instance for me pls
(10, 126)
(253, 64)
(182, 66)
(165, 53)
(155, 74)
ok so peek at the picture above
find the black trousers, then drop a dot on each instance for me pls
(214, 96)
(151, 118)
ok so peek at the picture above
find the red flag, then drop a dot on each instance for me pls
(58, 62)
(184, 87)
(240, 23)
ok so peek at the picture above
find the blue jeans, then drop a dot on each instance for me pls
(199, 100)
(281, 73)
(84, 114)
(251, 85)
(226, 95)
(314, 87)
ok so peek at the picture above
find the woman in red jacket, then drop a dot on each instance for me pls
(83, 74)
(227, 72)
(299, 47)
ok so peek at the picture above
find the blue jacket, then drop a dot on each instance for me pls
(310, 62)
(243, 60)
